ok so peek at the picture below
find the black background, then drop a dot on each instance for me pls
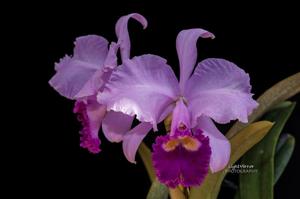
(261, 39)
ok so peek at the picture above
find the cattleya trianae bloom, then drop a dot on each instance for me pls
(81, 76)
(145, 87)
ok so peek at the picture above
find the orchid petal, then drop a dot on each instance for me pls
(90, 114)
(95, 113)
(115, 125)
(143, 86)
(91, 49)
(219, 144)
(123, 35)
(74, 73)
(133, 139)
(186, 45)
(101, 76)
(220, 90)
(111, 60)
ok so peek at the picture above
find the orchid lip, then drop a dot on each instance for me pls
(172, 154)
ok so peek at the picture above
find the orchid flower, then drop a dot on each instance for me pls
(146, 87)
(81, 76)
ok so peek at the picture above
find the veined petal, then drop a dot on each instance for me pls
(110, 64)
(93, 84)
(186, 45)
(133, 139)
(90, 114)
(101, 76)
(91, 49)
(219, 144)
(74, 73)
(143, 86)
(115, 125)
(220, 90)
(123, 35)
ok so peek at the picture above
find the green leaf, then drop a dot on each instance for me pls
(259, 183)
(274, 95)
(158, 191)
(167, 123)
(248, 137)
(284, 151)
(145, 154)
(240, 144)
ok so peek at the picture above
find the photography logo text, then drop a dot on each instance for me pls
(241, 168)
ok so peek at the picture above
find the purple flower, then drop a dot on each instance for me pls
(146, 87)
(83, 75)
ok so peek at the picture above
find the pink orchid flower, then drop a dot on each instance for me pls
(81, 76)
(216, 89)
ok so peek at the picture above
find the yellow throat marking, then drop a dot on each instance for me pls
(188, 142)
